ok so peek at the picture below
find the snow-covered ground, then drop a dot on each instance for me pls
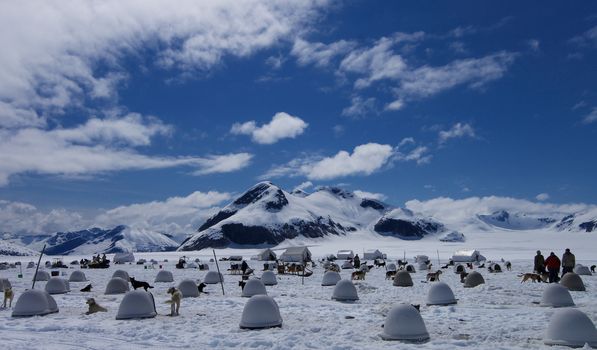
(498, 315)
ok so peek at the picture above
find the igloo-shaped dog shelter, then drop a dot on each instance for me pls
(391, 267)
(41, 275)
(473, 279)
(330, 278)
(30, 265)
(403, 279)
(582, 270)
(34, 302)
(269, 278)
(213, 277)
(556, 295)
(571, 327)
(573, 282)
(57, 285)
(253, 287)
(345, 291)
(410, 268)
(77, 276)
(422, 266)
(121, 274)
(136, 304)
(117, 285)
(164, 276)
(440, 294)
(260, 311)
(188, 288)
(347, 265)
(405, 323)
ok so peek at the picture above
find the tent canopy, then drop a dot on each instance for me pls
(467, 256)
(267, 255)
(371, 254)
(296, 254)
(124, 257)
(345, 254)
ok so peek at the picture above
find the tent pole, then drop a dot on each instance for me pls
(37, 267)
(220, 274)
(438, 262)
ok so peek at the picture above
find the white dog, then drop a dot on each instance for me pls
(174, 301)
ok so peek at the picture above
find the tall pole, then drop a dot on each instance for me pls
(219, 274)
(37, 267)
(438, 262)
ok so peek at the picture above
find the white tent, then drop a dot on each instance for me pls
(41, 275)
(467, 256)
(121, 274)
(556, 295)
(372, 254)
(330, 278)
(403, 279)
(136, 304)
(440, 294)
(212, 277)
(188, 288)
(77, 276)
(261, 311)
(57, 285)
(345, 254)
(117, 286)
(267, 255)
(573, 282)
(571, 327)
(253, 287)
(405, 323)
(34, 302)
(164, 276)
(296, 254)
(269, 278)
(473, 279)
(345, 291)
(124, 257)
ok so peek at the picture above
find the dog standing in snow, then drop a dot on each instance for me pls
(8, 296)
(176, 297)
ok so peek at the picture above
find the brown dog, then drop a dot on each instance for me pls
(534, 277)
(94, 307)
(434, 276)
(358, 275)
(8, 296)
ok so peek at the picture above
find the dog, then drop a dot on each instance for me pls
(508, 266)
(469, 265)
(593, 268)
(87, 288)
(139, 284)
(390, 275)
(434, 276)
(241, 284)
(379, 263)
(8, 296)
(534, 277)
(176, 297)
(402, 263)
(358, 275)
(482, 266)
(202, 286)
(94, 307)
(463, 276)
(446, 266)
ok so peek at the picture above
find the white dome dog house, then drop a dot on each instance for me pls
(459, 268)
(188, 288)
(77, 276)
(403, 279)
(213, 277)
(582, 270)
(30, 265)
(41, 275)
(34, 302)
(422, 266)
(164, 276)
(260, 311)
(136, 304)
(473, 279)
(573, 282)
(345, 291)
(330, 278)
(405, 323)
(253, 287)
(410, 269)
(571, 327)
(57, 285)
(440, 294)
(347, 265)
(4, 283)
(556, 295)
(269, 278)
(121, 274)
(117, 285)
(391, 267)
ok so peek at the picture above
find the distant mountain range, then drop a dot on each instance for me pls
(266, 215)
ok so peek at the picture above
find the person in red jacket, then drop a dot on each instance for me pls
(553, 267)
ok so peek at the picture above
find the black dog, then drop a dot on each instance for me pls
(593, 268)
(482, 266)
(201, 286)
(463, 276)
(87, 288)
(139, 284)
(241, 284)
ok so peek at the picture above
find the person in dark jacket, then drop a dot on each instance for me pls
(568, 262)
(539, 266)
(356, 261)
(553, 267)
(244, 266)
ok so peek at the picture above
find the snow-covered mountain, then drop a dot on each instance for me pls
(517, 220)
(97, 240)
(266, 215)
(403, 223)
(10, 248)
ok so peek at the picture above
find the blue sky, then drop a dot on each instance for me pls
(454, 99)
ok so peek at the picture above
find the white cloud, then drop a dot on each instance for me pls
(303, 186)
(534, 44)
(591, 117)
(458, 130)
(319, 54)
(371, 195)
(542, 197)
(588, 38)
(99, 145)
(23, 218)
(282, 126)
(360, 107)
(56, 63)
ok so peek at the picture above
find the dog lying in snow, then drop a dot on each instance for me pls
(433, 276)
(87, 288)
(201, 287)
(8, 296)
(176, 297)
(94, 307)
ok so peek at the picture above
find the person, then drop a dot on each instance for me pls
(244, 266)
(568, 262)
(539, 266)
(356, 261)
(553, 267)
